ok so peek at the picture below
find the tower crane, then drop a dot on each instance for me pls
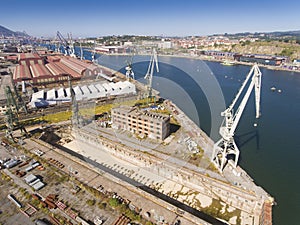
(226, 146)
(20, 104)
(75, 109)
(149, 74)
(12, 117)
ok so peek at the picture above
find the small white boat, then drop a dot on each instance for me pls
(227, 63)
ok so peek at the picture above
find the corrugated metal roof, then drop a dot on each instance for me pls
(24, 56)
(101, 90)
(109, 78)
(12, 57)
(53, 58)
(89, 66)
(115, 88)
(78, 93)
(68, 70)
(68, 92)
(30, 178)
(39, 70)
(85, 90)
(37, 186)
(37, 96)
(61, 93)
(91, 91)
(55, 69)
(107, 87)
(74, 66)
(51, 94)
(77, 90)
(22, 72)
(92, 88)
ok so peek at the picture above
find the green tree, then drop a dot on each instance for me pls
(113, 202)
(287, 52)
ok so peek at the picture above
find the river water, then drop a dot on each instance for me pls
(270, 151)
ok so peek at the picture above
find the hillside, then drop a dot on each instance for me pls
(289, 48)
(8, 33)
(279, 48)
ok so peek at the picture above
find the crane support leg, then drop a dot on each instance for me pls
(222, 151)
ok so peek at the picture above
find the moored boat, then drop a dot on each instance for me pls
(227, 63)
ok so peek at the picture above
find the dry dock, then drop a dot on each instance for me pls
(238, 199)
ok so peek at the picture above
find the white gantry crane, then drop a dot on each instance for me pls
(72, 49)
(81, 50)
(94, 53)
(226, 146)
(128, 68)
(149, 74)
(67, 45)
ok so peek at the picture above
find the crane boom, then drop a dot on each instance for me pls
(226, 145)
(68, 45)
(240, 90)
(64, 42)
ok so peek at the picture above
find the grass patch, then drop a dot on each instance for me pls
(57, 117)
(88, 111)
(163, 111)
(215, 210)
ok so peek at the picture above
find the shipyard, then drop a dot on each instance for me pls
(149, 113)
(106, 132)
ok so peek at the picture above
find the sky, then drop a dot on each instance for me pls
(93, 18)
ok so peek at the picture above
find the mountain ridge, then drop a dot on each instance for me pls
(9, 33)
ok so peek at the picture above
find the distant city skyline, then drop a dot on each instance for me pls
(167, 18)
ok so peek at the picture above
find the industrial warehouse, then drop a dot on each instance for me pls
(84, 92)
(43, 69)
(36, 69)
